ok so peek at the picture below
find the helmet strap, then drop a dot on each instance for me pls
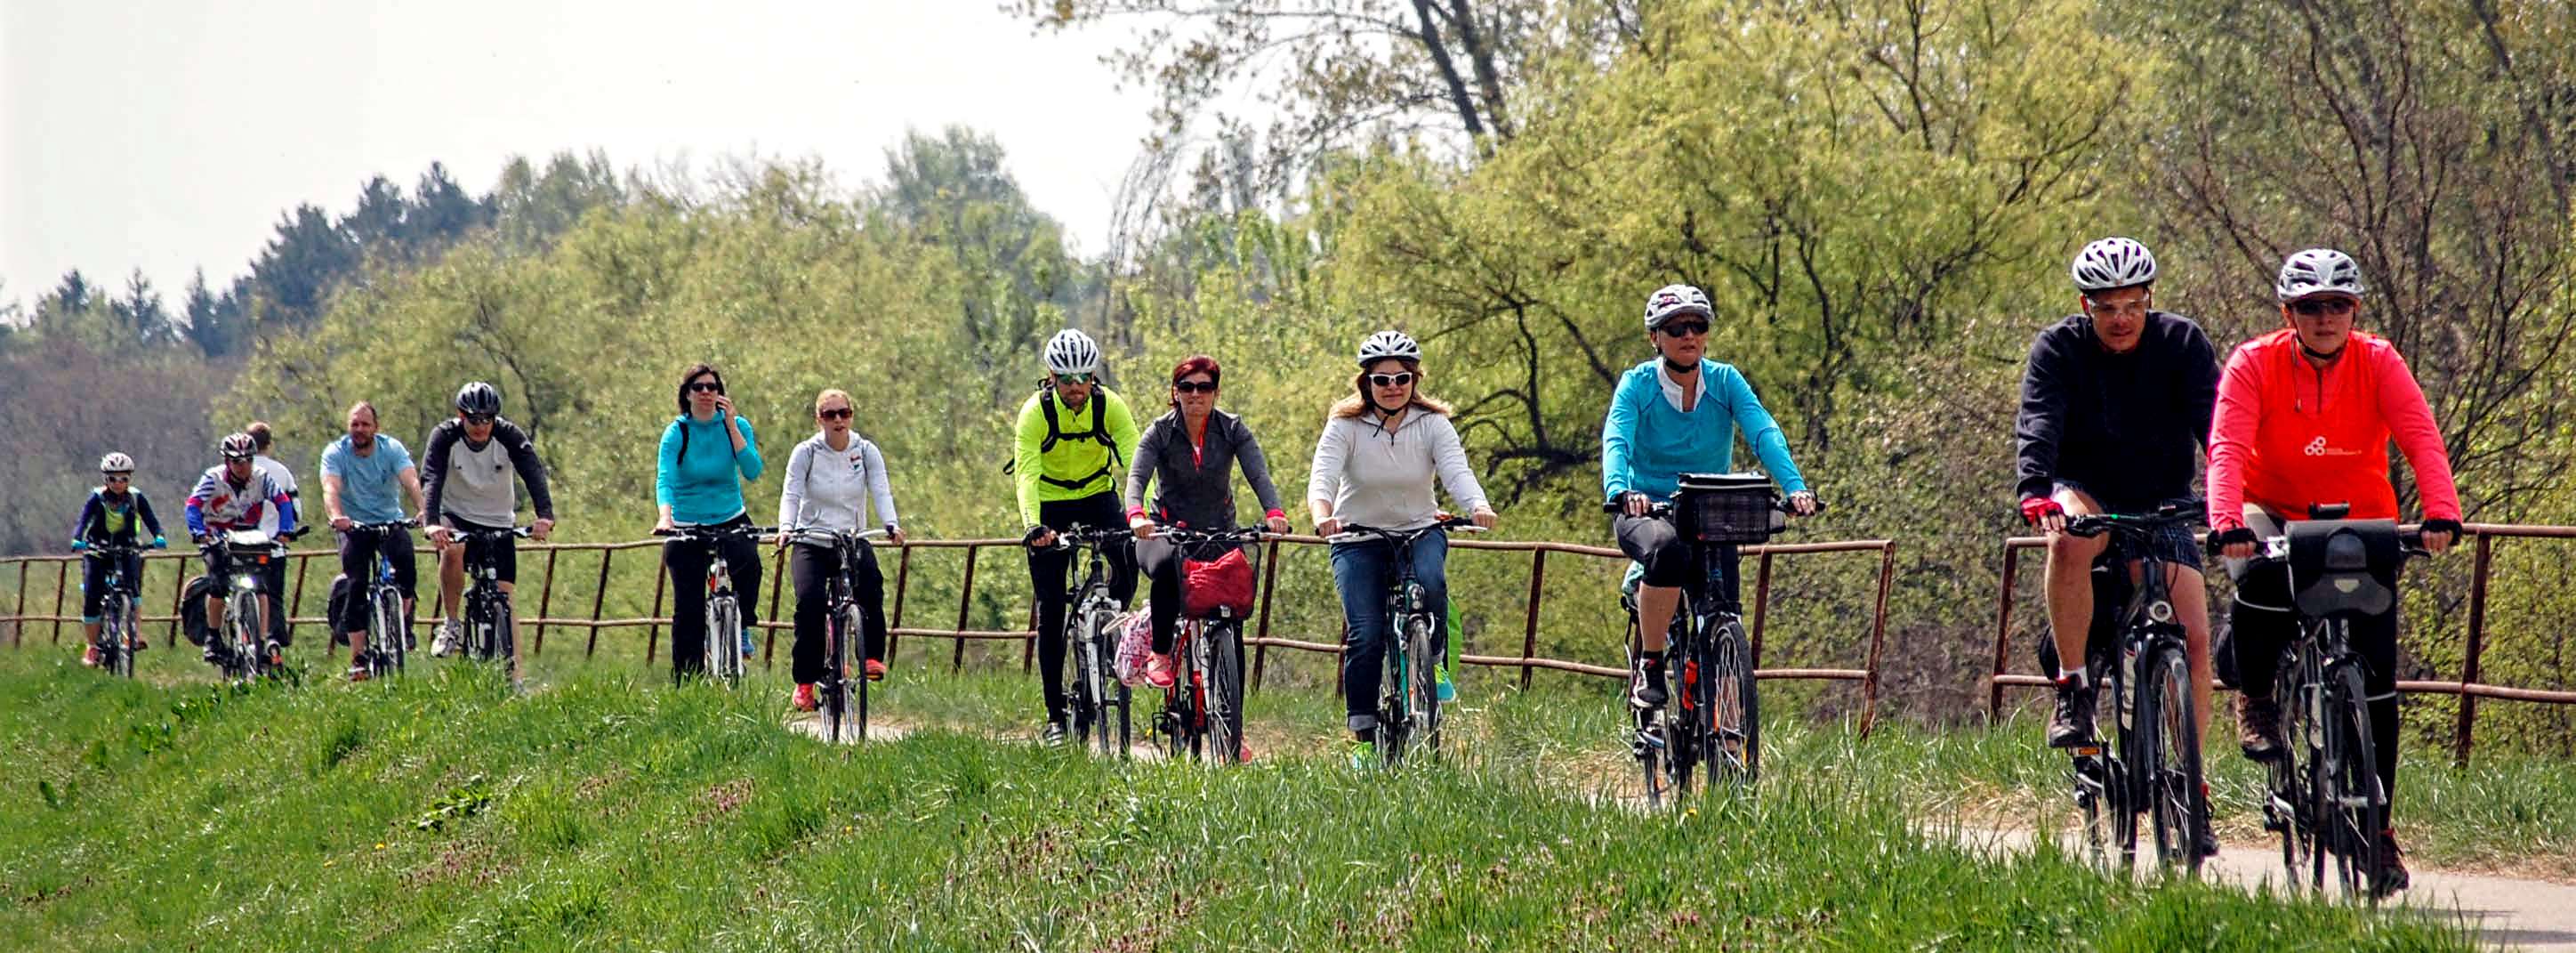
(2317, 355)
(1679, 369)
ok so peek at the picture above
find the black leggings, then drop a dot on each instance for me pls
(1047, 570)
(2262, 629)
(688, 564)
(811, 568)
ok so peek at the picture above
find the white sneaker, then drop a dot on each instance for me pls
(450, 633)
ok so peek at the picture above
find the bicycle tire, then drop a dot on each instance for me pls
(2123, 781)
(249, 629)
(2171, 769)
(115, 634)
(1394, 719)
(723, 644)
(1683, 730)
(2095, 781)
(1423, 681)
(385, 618)
(505, 632)
(2287, 805)
(1225, 692)
(1734, 708)
(2355, 807)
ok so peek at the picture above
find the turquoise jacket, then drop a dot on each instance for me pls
(705, 485)
(1647, 443)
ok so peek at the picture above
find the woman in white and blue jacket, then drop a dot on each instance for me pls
(1677, 413)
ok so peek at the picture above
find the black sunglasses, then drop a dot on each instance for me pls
(836, 413)
(1391, 380)
(480, 419)
(2315, 307)
(1683, 328)
(1195, 387)
(120, 477)
(707, 387)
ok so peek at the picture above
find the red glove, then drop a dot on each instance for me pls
(2034, 508)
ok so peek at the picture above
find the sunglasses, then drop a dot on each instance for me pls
(836, 413)
(1391, 380)
(707, 387)
(480, 419)
(1683, 328)
(1195, 387)
(120, 478)
(1075, 378)
(2315, 307)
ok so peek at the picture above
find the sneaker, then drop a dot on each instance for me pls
(451, 633)
(804, 700)
(876, 670)
(2259, 724)
(2072, 725)
(212, 652)
(1158, 669)
(1243, 752)
(359, 673)
(1646, 688)
(1053, 734)
(276, 653)
(1448, 691)
(2204, 841)
(1364, 755)
(90, 657)
(746, 642)
(2391, 876)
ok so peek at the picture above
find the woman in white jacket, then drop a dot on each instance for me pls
(831, 479)
(1380, 452)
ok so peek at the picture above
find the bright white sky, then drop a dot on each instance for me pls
(169, 135)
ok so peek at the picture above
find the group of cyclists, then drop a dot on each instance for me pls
(2115, 401)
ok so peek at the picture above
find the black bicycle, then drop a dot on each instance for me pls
(2146, 677)
(491, 630)
(241, 648)
(389, 640)
(1714, 716)
(723, 646)
(1408, 700)
(2322, 791)
(117, 642)
(836, 694)
(1203, 709)
(1091, 650)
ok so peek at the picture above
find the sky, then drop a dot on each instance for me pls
(173, 135)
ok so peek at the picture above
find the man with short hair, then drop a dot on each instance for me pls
(267, 464)
(361, 473)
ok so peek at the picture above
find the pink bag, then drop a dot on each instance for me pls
(1135, 644)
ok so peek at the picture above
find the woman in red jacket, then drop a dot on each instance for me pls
(2304, 417)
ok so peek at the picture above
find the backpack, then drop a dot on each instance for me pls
(1055, 434)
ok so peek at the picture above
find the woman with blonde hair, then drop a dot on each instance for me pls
(832, 479)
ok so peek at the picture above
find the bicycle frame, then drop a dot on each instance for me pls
(388, 646)
(116, 642)
(1202, 709)
(490, 625)
(841, 623)
(1095, 687)
(245, 601)
(1406, 670)
(723, 657)
(2117, 784)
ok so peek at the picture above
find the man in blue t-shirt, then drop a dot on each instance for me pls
(1673, 414)
(361, 474)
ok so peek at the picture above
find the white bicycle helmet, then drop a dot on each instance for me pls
(116, 463)
(237, 447)
(1386, 344)
(2111, 263)
(1071, 352)
(2318, 271)
(1671, 300)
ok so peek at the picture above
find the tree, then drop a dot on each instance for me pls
(293, 276)
(953, 192)
(140, 316)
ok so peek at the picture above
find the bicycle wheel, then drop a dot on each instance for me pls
(1394, 713)
(2123, 780)
(2354, 807)
(1422, 651)
(2094, 776)
(1685, 731)
(723, 646)
(2287, 805)
(249, 629)
(1734, 711)
(116, 635)
(2169, 767)
(505, 634)
(1225, 692)
(385, 618)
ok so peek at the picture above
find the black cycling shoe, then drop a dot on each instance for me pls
(1646, 685)
(2072, 725)
(2203, 840)
(1053, 734)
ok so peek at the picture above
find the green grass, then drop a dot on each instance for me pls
(608, 811)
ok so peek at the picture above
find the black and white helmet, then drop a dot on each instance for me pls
(116, 463)
(2317, 271)
(1386, 344)
(238, 447)
(2110, 263)
(478, 399)
(1071, 352)
(1673, 300)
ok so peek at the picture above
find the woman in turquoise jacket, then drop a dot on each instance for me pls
(707, 453)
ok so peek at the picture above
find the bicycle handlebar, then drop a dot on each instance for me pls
(824, 535)
(1665, 507)
(1359, 532)
(1183, 535)
(691, 534)
(2095, 524)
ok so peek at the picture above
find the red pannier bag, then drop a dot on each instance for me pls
(1225, 582)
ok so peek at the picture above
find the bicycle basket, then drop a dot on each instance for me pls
(1726, 507)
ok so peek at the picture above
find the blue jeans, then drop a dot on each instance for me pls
(1364, 572)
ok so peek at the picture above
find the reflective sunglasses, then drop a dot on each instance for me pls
(2318, 307)
(1195, 387)
(1683, 328)
(1391, 380)
(1075, 378)
(707, 387)
(836, 413)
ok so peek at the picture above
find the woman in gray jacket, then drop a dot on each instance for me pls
(1188, 457)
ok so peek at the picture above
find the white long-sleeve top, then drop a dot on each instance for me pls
(1375, 477)
(831, 489)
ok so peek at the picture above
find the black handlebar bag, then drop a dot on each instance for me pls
(2344, 567)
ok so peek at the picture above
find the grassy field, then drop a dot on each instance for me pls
(607, 811)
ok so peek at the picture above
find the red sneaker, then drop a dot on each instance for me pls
(876, 670)
(359, 673)
(804, 700)
(89, 656)
(1158, 670)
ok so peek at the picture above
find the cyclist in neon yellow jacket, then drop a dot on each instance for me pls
(1073, 435)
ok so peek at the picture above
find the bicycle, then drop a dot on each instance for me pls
(1716, 715)
(490, 623)
(1408, 703)
(2322, 793)
(842, 622)
(724, 607)
(1203, 709)
(2156, 767)
(243, 656)
(390, 648)
(1091, 656)
(116, 642)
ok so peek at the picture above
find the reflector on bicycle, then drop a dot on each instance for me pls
(2344, 566)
